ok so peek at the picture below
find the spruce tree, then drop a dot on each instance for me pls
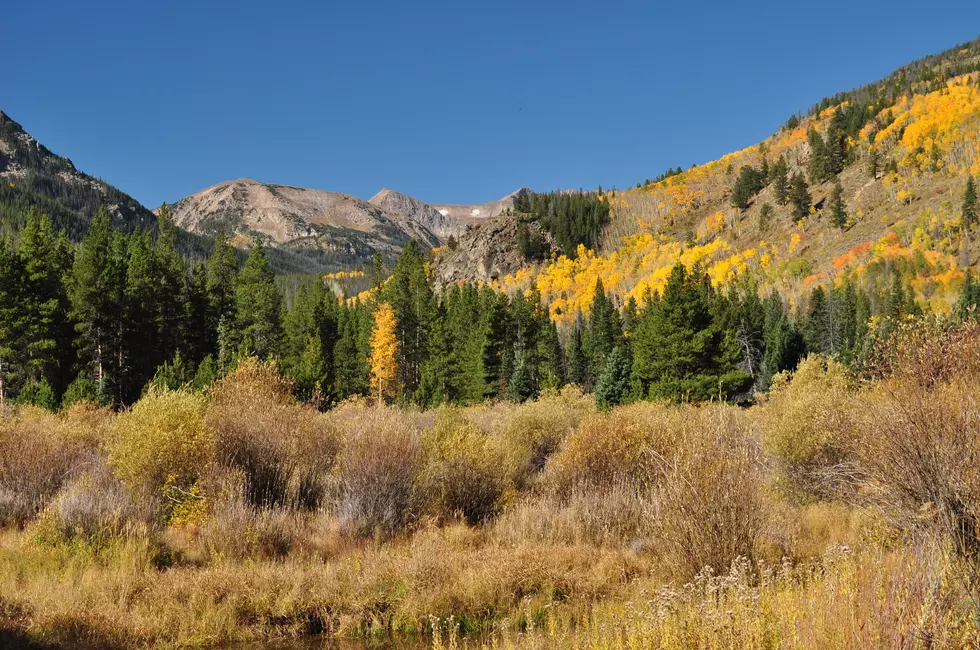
(576, 366)
(98, 279)
(800, 197)
(819, 162)
(970, 215)
(258, 307)
(613, 385)
(679, 351)
(838, 212)
(603, 332)
(765, 217)
(780, 180)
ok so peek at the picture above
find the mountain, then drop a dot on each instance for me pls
(445, 220)
(901, 149)
(489, 251)
(32, 175)
(284, 216)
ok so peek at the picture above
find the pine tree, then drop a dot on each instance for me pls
(782, 343)
(800, 197)
(351, 370)
(780, 180)
(12, 320)
(874, 162)
(679, 351)
(819, 158)
(521, 384)
(258, 307)
(970, 214)
(222, 274)
(409, 292)
(969, 297)
(765, 217)
(46, 327)
(98, 279)
(838, 214)
(576, 366)
(603, 332)
(613, 385)
(384, 353)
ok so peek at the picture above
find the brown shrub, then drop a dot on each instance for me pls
(711, 508)
(378, 471)
(284, 450)
(37, 456)
(466, 471)
(93, 507)
(628, 444)
(919, 442)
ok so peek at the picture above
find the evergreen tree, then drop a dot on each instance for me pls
(12, 320)
(819, 158)
(409, 292)
(780, 180)
(576, 366)
(613, 385)
(782, 343)
(747, 185)
(765, 217)
(96, 292)
(521, 384)
(258, 307)
(603, 332)
(969, 297)
(838, 214)
(874, 162)
(679, 351)
(800, 197)
(970, 214)
(222, 274)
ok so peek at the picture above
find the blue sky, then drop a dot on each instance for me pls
(447, 101)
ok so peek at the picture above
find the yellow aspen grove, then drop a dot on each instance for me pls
(384, 347)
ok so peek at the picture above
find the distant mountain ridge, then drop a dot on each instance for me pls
(32, 175)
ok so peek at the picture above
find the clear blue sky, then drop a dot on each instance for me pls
(453, 101)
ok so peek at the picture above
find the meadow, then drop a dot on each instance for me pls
(840, 510)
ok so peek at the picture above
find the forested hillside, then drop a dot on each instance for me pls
(869, 187)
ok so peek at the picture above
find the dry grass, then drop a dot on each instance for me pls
(546, 524)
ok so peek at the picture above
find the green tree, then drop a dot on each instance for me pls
(603, 332)
(970, 215)
(838, 212)
(613, 385)
(780, 180)
(96, 292)
(258, 307)
(800, 197)
(679, 351)
(576, 366)
(765, 217)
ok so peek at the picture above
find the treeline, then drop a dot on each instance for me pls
(572, 218)
(123, 311)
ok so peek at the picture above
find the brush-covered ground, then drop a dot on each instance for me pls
(840, 512)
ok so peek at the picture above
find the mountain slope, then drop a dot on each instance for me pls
(903, 223)
(32, 175)
(293, 217)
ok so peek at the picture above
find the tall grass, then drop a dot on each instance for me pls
(838, 513)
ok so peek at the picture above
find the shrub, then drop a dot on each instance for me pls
(378, 470)
(93, 507)
(809, 427)
(284, 450)
(626, 444)
(467, 472)
(36, 458)
(711, 509)
(920, 448)
(161, 441)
